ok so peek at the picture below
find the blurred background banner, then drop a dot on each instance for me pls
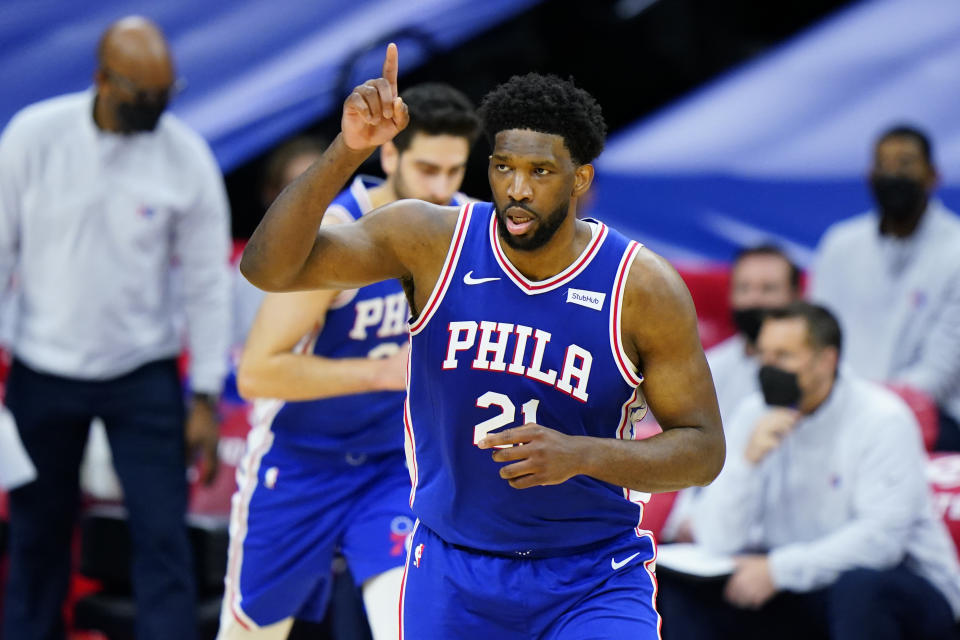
(778, 149)
(772, 149)
(256, 71)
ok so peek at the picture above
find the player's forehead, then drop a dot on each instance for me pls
(531, 146)
(442, 150)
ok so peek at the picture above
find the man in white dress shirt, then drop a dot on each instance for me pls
(824, 494)
(892, 276)
(100, 192)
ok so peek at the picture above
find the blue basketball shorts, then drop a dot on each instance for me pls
(605, 593)
(293, 510)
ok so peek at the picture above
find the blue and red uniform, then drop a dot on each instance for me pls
(493, 350)
(325, 474)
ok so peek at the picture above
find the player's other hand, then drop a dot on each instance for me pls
(546, 457)
(392, 375)
(373, 112)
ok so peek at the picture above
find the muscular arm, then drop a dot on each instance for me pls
(660, 332)
(288, 251)
(660, 323)
(271, 368)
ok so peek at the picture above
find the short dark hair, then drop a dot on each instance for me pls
(770, 250)
(547, 104)
(437, 109)
(909, 131)
(823, 330)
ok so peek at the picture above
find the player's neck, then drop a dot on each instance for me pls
(383, 194)
(560, 252)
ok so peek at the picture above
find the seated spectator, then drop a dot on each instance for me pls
(762, 278)
(824, 492)
(892, 276)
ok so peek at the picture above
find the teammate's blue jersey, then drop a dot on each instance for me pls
(361, 323)
(493, 350)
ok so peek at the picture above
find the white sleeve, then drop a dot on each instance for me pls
(202, 243)
(890, 491)
(726, 511)
(938, 369)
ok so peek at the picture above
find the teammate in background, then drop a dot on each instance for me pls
(325, 467)
(522, 315)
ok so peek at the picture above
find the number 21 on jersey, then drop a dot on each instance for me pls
(508, 413)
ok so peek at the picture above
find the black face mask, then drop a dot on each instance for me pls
(780, 388)
(897, 197)
(141, 115)
(748, 321)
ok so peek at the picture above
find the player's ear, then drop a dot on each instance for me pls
(389, 158)
(582, 179)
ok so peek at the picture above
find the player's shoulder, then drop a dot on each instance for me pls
(652, 277)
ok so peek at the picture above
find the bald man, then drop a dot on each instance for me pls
(101, 192)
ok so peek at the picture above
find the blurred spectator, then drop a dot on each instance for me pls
(893, 278)
(762, 279)
(824, 485)
(100, 192)
(282, 167)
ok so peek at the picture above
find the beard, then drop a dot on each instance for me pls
(546, 226)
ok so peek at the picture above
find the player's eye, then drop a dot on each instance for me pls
(540, 171)
(501, 167)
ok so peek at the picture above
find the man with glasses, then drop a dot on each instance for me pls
(101, 192)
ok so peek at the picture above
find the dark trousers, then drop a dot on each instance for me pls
(862, 604)
(948, 438)
(143, 413)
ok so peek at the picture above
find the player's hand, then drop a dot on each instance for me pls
(769, 432)
(374, 113)
(392, 375)
(546, 457)
(203, 435)
(751, 585)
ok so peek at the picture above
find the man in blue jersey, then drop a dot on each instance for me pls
(529, 327)
(325, 463)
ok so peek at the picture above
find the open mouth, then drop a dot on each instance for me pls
(518, 221)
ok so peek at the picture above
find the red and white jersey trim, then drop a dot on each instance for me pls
(259, 442)
(409, 441)
(446, 274)
(530, 287)
(403, 581)
(630, 375)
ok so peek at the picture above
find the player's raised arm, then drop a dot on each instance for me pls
(286, 252)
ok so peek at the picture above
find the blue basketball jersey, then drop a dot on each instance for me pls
(369, 322)
(493, 350)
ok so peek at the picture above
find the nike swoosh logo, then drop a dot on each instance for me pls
(467, 279)
(616, 565)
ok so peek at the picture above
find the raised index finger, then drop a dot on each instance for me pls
(390, 66)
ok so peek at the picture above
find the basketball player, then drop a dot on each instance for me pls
(325, 465)
(529, 327)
